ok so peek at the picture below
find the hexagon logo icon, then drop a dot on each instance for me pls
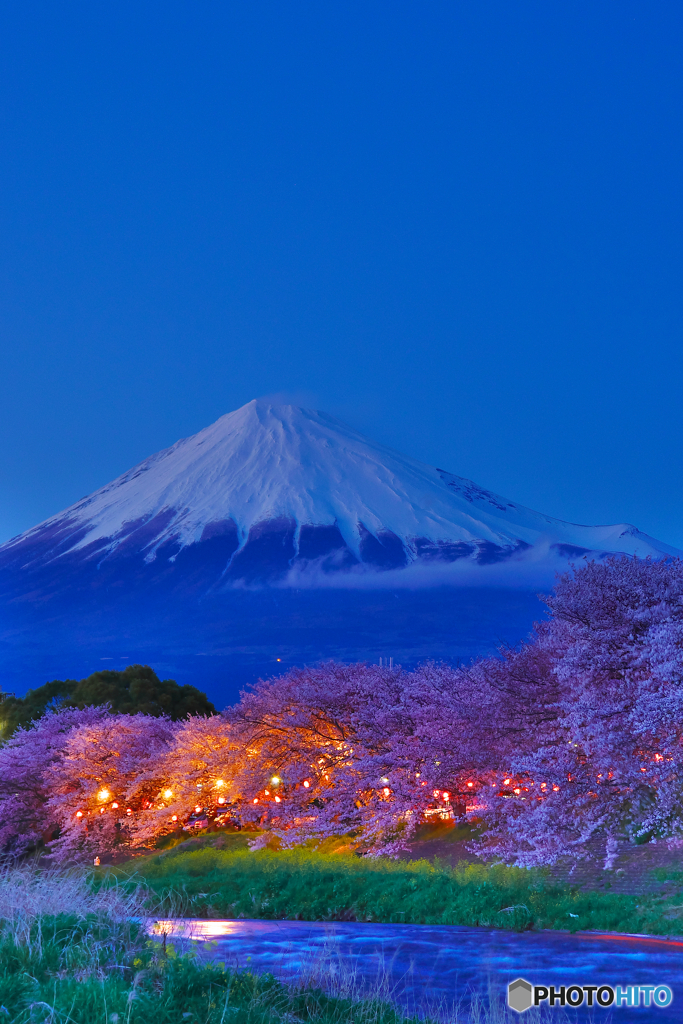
(520, 995)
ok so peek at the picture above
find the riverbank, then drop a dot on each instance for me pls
(218, 877)
(105, 972)
(73, 952)
(73, 949)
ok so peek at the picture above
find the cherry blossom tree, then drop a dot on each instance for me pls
(199, 771)
(109, 773)
(27, 764)
(605, 758)
(361, 748)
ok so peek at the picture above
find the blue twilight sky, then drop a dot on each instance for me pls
(456, 225)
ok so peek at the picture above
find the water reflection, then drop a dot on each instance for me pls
(439, 969)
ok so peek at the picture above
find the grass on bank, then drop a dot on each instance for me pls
(304, 884)
(97, 971)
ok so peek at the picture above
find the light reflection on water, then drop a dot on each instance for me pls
(437, 970)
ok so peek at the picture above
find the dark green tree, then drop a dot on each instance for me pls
(136, 689)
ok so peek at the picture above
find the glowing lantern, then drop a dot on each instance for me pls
(79, 814)
(267, 792)
(101, 810)
(219, 783)
(255, 799)
(167, 794)
(556, 789)
(115, 806)
(386, 791)
(103, 794)
(518, 791)
(129, 810)
(306, 784)
(221, 799)
(384, 780)
(197, 809)
(435, 793)
(506, 782)
(174, 817)
(277, 799)
(470, 784)
(447, 796)
(275, 780)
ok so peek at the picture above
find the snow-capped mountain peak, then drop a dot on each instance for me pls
(275, 489)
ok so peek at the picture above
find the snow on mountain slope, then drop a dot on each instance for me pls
(272, 489)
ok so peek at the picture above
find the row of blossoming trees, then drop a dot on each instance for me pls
(577, 734)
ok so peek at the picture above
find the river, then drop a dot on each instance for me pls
(440, 970)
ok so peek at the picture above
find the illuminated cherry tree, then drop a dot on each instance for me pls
(27, 763)
(198, 772)
(362, 749)
(109, 773)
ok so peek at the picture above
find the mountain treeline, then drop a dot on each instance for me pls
(135, 689)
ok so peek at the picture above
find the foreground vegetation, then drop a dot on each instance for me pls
(93, 963)
(305, 884)
(97, 971)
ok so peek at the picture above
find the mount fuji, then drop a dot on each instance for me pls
(281, 533)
